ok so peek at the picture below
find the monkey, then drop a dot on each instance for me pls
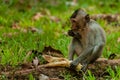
(88, 39)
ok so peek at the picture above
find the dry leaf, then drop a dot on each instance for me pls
(55, 79)
(118, 40)
(15, 26)
(37, 16)
(43, 77)
(108, 17)
(35, 61)
(10, 34)
(55, 19)
(53, 59)
(33, 29)
(72, 3)
(23, 30)
(59, 62)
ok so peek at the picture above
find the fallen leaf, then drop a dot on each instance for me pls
(53, 59)
(23, 30)
(108, 17)
(118, 40)
(15, 26)
(59, 62)
(55, 19)
(72, 3)
(26, 65)
(37, 16)
(10, 34)
(43, 77)
(34, 29)
(35, 61)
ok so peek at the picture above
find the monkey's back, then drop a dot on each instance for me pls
(96, 33)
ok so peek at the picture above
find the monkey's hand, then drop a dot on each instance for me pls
(74, 34)
(84, 68)
(71, 33)
(73, 65)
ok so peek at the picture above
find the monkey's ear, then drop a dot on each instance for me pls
(73, 20)
(87, 18)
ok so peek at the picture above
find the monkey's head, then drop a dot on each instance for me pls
(79, 19)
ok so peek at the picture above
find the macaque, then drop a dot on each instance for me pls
(88, 39)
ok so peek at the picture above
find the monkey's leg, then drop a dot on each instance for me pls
(95, 55)
(97, 51)
(89, 55)
(86, 53)
(75, 48)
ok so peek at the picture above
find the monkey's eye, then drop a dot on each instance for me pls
(73, 20)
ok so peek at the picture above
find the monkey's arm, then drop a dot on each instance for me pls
(83, 56)
(74, 48)
(71, 52)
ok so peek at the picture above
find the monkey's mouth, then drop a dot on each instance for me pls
(71, 33)
(74, 34)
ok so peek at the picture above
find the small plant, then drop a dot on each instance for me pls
(114, 74)
(89, 76)
(31, 77)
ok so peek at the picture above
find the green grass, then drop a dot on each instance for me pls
(14, 49)
(114, 74)
(90, 76)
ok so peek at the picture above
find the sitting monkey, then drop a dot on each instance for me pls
(88, 39)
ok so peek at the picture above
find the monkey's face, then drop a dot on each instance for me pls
(74, 32)
(74, 24)
(71, 33)
(78, 22)
(79, 19)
